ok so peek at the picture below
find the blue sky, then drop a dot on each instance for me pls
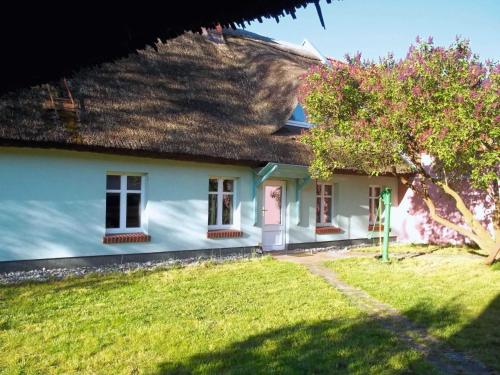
(375, 27)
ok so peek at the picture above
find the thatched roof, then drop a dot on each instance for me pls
(187, 98)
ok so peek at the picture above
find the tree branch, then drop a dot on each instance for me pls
(469, 218)
(479, 235)
(441, 220)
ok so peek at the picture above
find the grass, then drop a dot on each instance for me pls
(397, 248)
(260, 316)
(457, 297)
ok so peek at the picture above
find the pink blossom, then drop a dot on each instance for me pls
(486, 84)
(417, 91)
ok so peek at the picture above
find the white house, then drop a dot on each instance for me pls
(189, 148)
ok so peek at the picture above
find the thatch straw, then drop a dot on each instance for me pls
(187, 98)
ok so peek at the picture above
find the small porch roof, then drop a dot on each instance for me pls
(283, 171)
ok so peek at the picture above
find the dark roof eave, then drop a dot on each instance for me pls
(385, 174)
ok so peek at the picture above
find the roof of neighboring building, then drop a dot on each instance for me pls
(186, 98)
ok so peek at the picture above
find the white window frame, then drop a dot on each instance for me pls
(220, 193)
(299, 124)
(372, 203)
(322, 195)
(123, 203)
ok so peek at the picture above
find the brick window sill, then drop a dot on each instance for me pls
(376, 227)
(224, 233)
(328, 230)
(126, 238)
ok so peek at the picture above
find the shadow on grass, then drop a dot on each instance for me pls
(104, 282)
(432, 318)
(474, 251)
(343, 347)
(448, 249)
(482, 335)
(324, 347)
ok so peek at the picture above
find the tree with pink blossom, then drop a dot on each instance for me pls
(440, 102)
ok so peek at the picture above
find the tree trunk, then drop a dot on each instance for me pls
(493, 256)
(474, 230)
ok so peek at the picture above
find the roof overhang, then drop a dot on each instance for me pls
(283, 171)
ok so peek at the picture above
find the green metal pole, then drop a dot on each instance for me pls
(386, 196)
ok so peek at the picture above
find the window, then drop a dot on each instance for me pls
(298, 118)
(324, 194)
(298, 114)
(373, 202)
(124, 202)
(220, 203)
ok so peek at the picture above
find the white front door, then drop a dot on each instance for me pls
(273, 215)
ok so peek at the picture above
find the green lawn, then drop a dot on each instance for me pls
(397, 249)
(456, 296)
(259, 316)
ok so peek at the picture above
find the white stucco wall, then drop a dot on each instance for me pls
(52, 204)
(350, 209)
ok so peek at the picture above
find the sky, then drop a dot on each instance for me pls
(376, 27)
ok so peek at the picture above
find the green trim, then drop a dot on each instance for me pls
(265, 173)
(258, 179)
(300, 184)
(386, 196)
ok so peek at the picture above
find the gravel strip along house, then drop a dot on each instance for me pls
(188, 148)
